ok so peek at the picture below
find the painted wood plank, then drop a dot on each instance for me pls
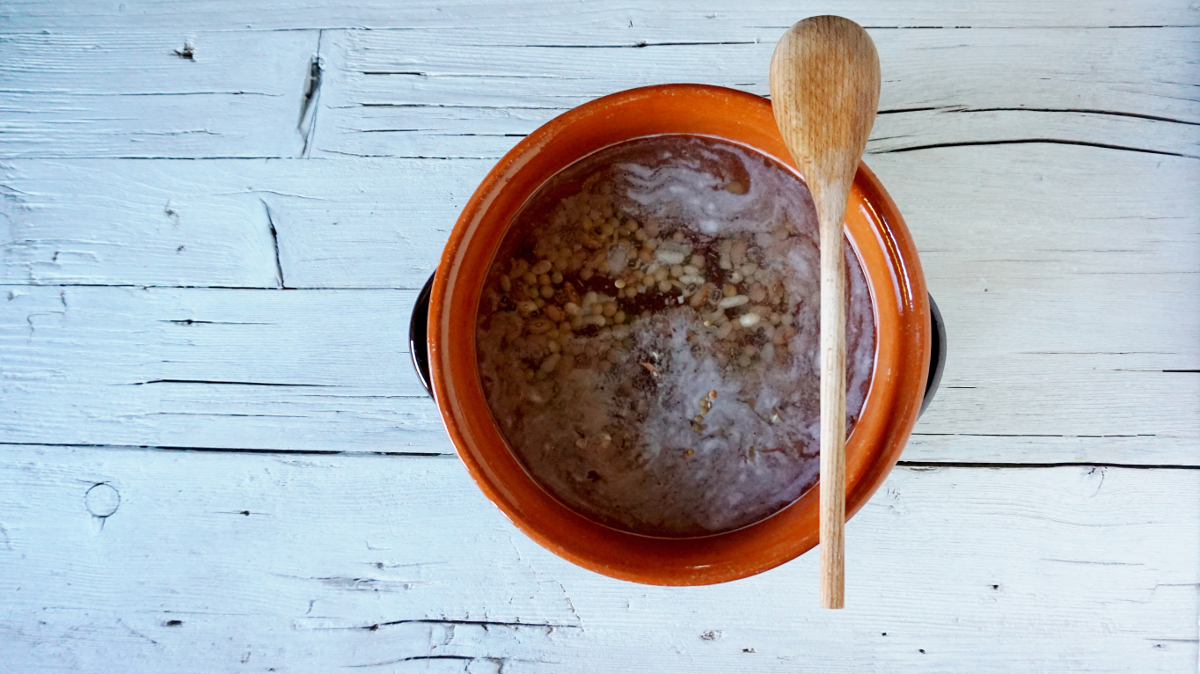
(472, 90)
(329, 370)
(290, 370)
(1006, 255)
(177, 93)
(205, 223)
(630, 21)
(399, 564)
(471, 93)
(1024, 213)
(1049, 272)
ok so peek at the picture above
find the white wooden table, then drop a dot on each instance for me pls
(216, 458)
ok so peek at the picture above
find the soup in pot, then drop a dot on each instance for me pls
(647, 337)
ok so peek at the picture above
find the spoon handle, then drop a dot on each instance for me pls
(831, 211)
(825, 92)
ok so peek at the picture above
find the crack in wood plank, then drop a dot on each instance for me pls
(1026, 141)
(312, 95)
(274, 244)
(282, 453)
(214, 382)
(932, 465)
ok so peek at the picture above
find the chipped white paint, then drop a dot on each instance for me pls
(253, 277)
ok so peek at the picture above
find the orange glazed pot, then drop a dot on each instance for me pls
(904, 336)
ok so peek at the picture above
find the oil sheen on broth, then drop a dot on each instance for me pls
(647, 336)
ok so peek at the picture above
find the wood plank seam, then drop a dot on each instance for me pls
(451, 455)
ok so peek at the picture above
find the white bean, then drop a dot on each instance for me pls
(671, 257)
(735, 301)
(549, 364)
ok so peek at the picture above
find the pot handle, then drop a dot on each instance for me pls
(937, 356)
(418, 331)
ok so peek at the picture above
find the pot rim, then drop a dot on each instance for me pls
(886, 253)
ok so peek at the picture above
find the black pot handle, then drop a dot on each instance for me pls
(418, 331)
(937, 355)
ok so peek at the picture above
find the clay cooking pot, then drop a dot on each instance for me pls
(910, 342)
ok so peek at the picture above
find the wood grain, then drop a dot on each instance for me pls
(205, 223)
(237, 369)
(455, 93)
(312, 563)
(174, 94)
(473, 90)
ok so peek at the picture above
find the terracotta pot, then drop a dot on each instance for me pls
(904, 341)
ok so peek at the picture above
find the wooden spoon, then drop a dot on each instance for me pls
(825, 91)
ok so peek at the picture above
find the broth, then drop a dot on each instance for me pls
(647, 337)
